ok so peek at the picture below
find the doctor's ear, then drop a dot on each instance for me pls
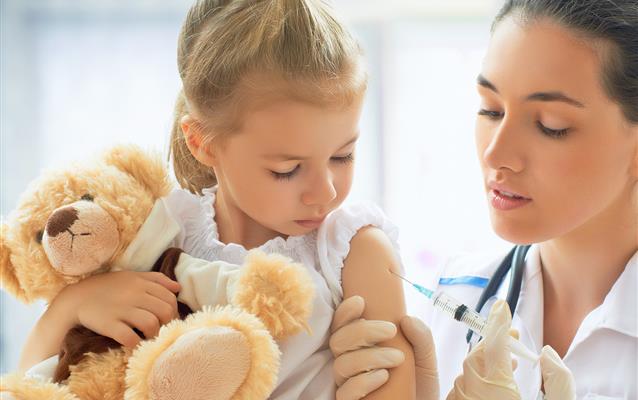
(197, 142)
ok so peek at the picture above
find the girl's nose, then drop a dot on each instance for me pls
(321, 191)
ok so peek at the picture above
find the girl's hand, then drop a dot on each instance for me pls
(115, 303)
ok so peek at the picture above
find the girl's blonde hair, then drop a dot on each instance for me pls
(237, 54)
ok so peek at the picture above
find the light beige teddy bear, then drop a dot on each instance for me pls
(109, 215)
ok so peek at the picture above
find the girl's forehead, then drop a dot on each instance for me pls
(298, 129)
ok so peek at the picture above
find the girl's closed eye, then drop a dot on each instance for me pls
(287, 175)
(348, 158)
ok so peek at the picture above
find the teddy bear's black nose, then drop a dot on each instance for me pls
(61, 220)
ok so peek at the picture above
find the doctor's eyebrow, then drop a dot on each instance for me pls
(482, 81)
(538, 96)
(555, 96)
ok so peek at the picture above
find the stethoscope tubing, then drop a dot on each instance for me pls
(514, 262)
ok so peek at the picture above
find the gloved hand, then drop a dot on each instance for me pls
(360, 367)
(488, 369)
(558, 381)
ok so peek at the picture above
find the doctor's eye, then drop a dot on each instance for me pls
(490, 114)
(87, 197)
(38, 236)
(554, 133)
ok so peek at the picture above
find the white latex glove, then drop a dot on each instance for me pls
(360, 367)
(427, 374)
(487, 369)
(558, 381)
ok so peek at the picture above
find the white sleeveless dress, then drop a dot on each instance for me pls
(306, 365)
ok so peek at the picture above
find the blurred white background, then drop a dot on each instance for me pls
(76, 77)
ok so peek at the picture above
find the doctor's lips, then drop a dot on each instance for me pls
(503, 199)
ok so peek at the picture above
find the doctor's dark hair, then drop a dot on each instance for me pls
(613, 22)
(236, 55)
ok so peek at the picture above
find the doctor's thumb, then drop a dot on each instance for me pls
(427, 375)
(496, 336)
(558, 381)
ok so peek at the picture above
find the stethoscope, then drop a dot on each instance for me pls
(514, 262)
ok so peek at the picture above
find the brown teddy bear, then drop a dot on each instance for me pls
(108, 215)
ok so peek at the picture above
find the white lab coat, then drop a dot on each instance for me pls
(603, 355)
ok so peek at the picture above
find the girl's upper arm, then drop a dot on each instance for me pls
(366, 273)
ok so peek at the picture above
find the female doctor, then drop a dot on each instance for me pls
(557, 139)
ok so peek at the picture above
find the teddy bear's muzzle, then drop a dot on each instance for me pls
(79, 238)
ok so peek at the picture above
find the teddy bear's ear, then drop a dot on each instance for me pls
(10, 282)
(147, 168)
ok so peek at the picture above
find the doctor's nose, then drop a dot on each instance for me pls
(320, 191)
(502, 149)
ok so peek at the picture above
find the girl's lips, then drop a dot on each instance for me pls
(310, 223)
(505, 201)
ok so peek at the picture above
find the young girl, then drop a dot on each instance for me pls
(264, 141)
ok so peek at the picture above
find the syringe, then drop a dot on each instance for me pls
(473, 320)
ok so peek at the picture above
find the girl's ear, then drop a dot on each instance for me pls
(199, 147)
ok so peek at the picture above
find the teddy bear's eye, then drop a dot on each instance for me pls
(87, 197)
(38, 236)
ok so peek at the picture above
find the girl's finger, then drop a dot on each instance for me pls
(144, 321)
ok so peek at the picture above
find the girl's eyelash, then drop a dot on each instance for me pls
(285, 175)
(290, 174)
(554, 133)
(344, 160)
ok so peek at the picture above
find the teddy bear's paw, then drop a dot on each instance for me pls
(19, 387)
(100, 376)
(277, 290)
(203, 364)
(221, 353)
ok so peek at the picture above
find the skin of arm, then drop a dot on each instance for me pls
(111, 304)
(46, 337)
(366, 273)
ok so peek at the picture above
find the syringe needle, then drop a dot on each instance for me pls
(392, 272)
(426, 292)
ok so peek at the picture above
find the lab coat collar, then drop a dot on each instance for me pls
(530, 302)
(622, 300)
(618, 310)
